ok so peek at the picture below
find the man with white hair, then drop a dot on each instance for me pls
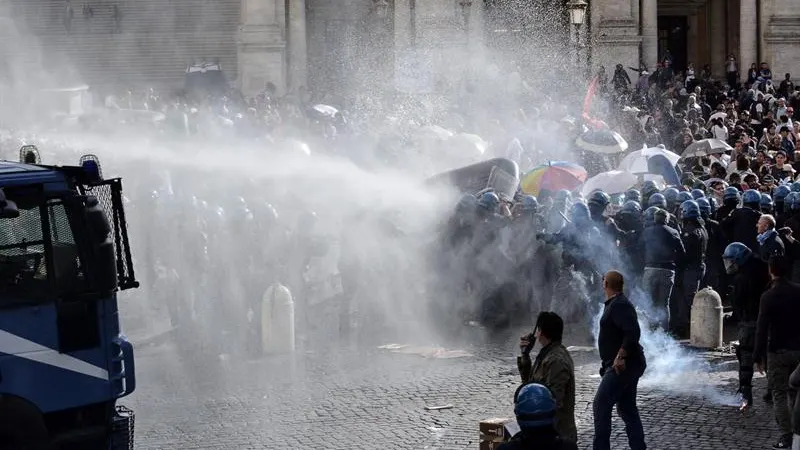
(769, 243)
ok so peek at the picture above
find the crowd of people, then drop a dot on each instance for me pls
(731, 223)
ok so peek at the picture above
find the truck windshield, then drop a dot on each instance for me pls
(36, 266)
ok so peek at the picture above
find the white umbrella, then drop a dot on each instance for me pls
(613, 182)
(636, 162)
(602, 141)
(706, 147)
(325, 110)
(718, 114)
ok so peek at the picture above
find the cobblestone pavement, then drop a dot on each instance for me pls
(363, 397)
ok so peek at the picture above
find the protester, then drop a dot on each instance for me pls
(623, 363)
(778, 336)
(553, 367)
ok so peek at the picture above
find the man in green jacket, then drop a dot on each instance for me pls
(552, 367)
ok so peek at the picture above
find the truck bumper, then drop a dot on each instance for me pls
(122, 429)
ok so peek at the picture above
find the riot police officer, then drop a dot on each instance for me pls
(749, 278)
(671, 196)
(648, 189)
(695, 241)
(740, 225)
(730, 201)
(663, 251)
(716, 245)
(778, 197)
(766, 204)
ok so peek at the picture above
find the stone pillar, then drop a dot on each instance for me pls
(748, 36)
(649, 21)
(261, 47)
(298, 48)
(716, 37)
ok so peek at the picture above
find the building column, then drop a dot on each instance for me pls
(261, 47)
(716, 37)
(298, 47)
(748, 36)
(649, 21)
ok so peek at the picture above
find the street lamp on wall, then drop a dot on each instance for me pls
(577, 11)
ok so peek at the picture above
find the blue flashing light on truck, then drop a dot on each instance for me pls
(64, 255)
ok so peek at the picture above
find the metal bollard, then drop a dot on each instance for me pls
(706, 320)
(277, 320)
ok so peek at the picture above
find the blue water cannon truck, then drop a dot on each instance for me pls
(64, 256)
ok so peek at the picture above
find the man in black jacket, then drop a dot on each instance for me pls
(749, 277)
(778, 341)
(663, 251)
(740, 226)
(770, 243)
(623, 363)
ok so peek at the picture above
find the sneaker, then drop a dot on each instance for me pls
(784, 442)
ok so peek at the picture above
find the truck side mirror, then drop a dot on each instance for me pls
(8, 209)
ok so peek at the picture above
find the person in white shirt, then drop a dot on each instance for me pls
(719, 130)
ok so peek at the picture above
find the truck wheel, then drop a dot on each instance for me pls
(22, 426)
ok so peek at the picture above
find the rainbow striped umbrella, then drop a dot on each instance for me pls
(553, 176)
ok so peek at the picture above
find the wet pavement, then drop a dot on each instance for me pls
(360, 396)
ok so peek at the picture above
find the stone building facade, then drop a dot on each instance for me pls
(352, 47)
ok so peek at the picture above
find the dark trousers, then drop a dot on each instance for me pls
(620, 390)
(780, 366)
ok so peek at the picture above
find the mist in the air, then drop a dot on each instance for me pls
(215, 220)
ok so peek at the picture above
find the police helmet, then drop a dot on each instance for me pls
(633, 194)
(535, 406)
(671, 195)
(579, 212)
(599, 199)
(489, 201)
(684, 196)
(657, 200)
(697, 194)
(751, 197)
(705, 207)
(649, 188)
(690, 210)
(795, 187)
(734, 256)
(781, 192)
(794, 205)
(766, 202)
(530, 204)
(650, 215)
(632, 207)
(730, 193)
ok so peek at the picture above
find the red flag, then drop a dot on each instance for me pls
(587, 105)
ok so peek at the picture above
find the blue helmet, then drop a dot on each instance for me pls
(579, 212)
(690, 210)
(795, 187)
(697, 194)
(649, 188)
(794, 204)
(730, 193)
(734, 256)
(766, 202)
(489, 200)
(632, 207)
(633, 194)
(599, 199)
(781, 192)
(657, 200)
(684, 196)
(535, 406)
(650, 215)
(705, 207)
(671, 195)
(530, 204)
(751, 197)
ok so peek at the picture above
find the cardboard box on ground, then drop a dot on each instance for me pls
(494, 432)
